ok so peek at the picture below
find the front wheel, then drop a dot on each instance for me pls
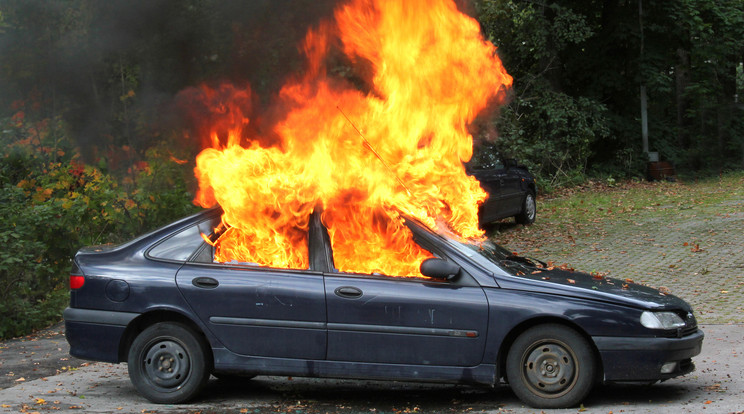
(168, 363)
(550, 366)
(529, 210)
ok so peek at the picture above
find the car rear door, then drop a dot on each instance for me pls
(259, 311)
(492, 181)
(512, 194)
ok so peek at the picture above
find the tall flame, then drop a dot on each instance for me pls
(364, 156)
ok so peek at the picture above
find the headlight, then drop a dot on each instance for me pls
(661, 320)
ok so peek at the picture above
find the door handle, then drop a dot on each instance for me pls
(205, 282)
(349, 292)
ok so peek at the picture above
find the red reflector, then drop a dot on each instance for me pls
(76, 282)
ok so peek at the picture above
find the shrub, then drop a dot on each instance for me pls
(51, 204)
(552, 134)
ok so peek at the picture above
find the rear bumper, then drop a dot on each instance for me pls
(95, 334)
(641, 359)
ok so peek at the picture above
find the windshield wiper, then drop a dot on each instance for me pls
(537, 264)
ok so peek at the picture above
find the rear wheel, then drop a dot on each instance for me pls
(550, 366)
(168, 363)
(529, 210)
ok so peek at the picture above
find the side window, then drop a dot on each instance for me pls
(205, 255)
(182, 245)
(223, 244)
(376, 245)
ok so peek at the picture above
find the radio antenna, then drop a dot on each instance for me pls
(369, 147)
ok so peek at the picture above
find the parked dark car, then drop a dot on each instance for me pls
(162, 305)
(511, 191)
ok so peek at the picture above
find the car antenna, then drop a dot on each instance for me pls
(369, 147)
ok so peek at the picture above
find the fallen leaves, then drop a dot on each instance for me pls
(696, 249)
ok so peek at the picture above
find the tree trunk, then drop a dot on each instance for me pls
(682, 80)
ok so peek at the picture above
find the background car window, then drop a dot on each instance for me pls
(182, 245)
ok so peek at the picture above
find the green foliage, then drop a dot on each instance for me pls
(552, 133)
(51, 204)
(594, 56)
(547, 129)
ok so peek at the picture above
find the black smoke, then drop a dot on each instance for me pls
(110, 69)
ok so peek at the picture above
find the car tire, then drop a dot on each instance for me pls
(168, 363)
(551, 366)
(529, 210)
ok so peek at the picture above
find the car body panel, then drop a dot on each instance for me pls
(606, 289)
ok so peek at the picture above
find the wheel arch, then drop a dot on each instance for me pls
(517, 330)
(152, 317)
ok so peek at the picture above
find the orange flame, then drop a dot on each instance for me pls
(431, 74)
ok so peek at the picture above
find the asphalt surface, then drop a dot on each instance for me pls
(39, 376)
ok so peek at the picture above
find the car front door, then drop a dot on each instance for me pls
(381, 319)
(415, 321)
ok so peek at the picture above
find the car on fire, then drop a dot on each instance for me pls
(161, 304)
(511, 189)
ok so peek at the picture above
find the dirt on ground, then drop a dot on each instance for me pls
(42, 354)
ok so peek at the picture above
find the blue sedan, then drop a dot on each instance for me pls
(163, 305)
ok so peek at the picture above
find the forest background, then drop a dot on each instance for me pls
(97, 146)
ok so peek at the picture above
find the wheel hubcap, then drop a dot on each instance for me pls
(530, 207)
(167, 364)
(550, 369)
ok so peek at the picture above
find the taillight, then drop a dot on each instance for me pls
(76, 282)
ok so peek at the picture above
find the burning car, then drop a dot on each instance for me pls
(476, 314)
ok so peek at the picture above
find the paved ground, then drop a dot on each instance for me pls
(693, 248)
(716, 387)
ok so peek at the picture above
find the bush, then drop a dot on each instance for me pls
(52, 204)
(552, 134)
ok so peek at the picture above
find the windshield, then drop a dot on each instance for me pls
(483, 252)
(487, 252)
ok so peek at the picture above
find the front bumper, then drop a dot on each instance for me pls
(642, 359)
(96, 334)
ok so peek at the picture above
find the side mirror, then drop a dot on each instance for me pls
(439, 269)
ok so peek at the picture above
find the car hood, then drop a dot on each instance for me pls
(594, 286)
